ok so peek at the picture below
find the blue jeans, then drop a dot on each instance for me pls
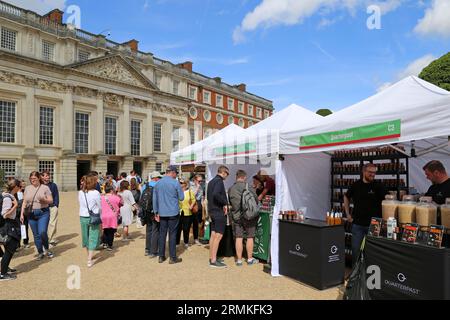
(358, 234)
(39, 228)
(168, 224)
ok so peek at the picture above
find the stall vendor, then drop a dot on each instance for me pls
(269, 185)
(440, 189)
(367, 196)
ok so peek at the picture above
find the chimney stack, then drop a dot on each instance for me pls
(218, 79)
(186, 65)
(55, 15)
(242, 87)
(133, 44)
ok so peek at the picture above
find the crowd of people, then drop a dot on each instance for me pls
(166, 205)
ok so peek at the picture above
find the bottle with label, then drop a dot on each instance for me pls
(328, 217)
(391, 228)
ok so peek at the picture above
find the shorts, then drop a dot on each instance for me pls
(218, 222)
(245, 228)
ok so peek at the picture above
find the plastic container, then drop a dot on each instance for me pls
(426, 212)
(445, 214)
(407, 210)
(390, 207)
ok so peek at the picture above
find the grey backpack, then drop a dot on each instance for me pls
(249, 205)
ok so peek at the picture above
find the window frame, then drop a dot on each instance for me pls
(110, 147)
(3, 44)
(46, 135)
(51, 50)
(133, 146)
(160, 136)
(8, 122)
(78, 147)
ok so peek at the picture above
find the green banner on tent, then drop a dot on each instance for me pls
(239, 149)
(373, 132)
(186, 158)
(262, 237)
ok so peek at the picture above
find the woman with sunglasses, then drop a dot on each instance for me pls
(38, 196)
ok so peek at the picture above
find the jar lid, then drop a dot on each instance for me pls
(390, 197)
(408, 198)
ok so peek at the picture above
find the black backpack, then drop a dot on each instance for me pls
(146, 205)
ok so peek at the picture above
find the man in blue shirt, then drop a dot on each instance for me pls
(166, 196)
(53, 207)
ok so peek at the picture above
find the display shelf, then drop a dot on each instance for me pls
(369, 158)
(391, 173)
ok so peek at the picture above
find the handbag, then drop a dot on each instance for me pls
(28, 211)
(195, 207)
(119, 217)
(95, 218)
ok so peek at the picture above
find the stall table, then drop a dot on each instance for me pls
(312, 252)
(409, 271)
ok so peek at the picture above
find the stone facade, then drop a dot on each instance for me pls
(47, 67)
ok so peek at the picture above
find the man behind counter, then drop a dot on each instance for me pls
(440, 190)
(367, 196)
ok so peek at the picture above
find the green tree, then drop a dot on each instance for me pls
(324, 112)
(438, 72)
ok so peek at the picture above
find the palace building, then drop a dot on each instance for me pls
(72, 101)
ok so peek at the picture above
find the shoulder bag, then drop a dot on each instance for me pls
(28, 211)
(95, 218)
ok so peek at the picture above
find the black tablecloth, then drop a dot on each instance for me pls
(312, 252)
(408, 271)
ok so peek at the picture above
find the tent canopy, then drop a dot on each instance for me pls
(195, 153)
(412, 109)
(261, 139)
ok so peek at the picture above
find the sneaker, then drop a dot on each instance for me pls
(174, 261)
(146, 254)
(105, 246)
(109, 249)
(218, 259)
(197, 243)
(186, 246)
(40, 257)
(239, 263)
(217, 265)
(152, 256)
(27, 246)
(7, 277)
(50, 255)
(161, 259)
(252, 262)
(10, 270)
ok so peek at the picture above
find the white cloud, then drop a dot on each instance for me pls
(270, 13)
(39, 6)
(436, 20)
(413, 69)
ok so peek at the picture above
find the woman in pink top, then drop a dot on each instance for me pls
(111, 204)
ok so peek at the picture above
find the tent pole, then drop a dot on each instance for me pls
(440, 146)
(399, 150)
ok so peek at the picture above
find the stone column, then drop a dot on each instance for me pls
(147, 133)
(68, 181)
(28, 121)
(67, 122)
(125, 136)
(127, 164)
(99, 123)
(101, 164)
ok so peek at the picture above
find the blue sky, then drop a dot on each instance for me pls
(315, 53)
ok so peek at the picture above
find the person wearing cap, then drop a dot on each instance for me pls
(166, 196)
(154, 177)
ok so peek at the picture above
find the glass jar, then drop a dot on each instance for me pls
(445, 214)
(407, 210)
(426, 212)
(389, 207)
